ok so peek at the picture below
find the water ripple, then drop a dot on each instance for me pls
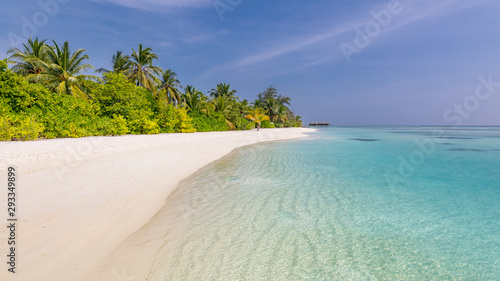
(267, 212)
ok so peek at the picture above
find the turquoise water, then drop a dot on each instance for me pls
(380, 203)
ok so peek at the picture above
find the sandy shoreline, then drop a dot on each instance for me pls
(82, 202)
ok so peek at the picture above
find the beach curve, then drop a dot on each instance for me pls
(97, 192)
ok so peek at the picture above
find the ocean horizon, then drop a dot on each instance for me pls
(347, 203)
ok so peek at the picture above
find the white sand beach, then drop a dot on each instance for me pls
(81, 202)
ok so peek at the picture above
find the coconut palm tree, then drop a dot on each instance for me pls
(272, 93)
(298, 120)
(194, 100)
(281, 115)
(142, 71)
(62, 71)
(257, 116)
(27, 60)
(258, 103)
(171, 85)
(243, 107)
(120, 63)
(222, 89)
(224, 104)
(271, 107)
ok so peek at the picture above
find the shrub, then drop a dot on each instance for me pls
(18, 93)
(250, 125)
(267, 124)
(207, 123)
(173, 120)
(115, 126)
(143, 125)
(4, 107)
(3, 65)
(64, 116)
(121, 97)
(240, 122)
(183, 121)
(58, 115)
(19, 128)
(127, 107)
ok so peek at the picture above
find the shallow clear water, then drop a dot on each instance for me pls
(380, 203)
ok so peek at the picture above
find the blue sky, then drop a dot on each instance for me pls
(421, 66)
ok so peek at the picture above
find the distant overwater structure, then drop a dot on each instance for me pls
(319, 124)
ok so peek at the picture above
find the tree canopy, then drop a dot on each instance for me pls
(50, 92)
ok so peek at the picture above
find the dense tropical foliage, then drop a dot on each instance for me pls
(48, 93)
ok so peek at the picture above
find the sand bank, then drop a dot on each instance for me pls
(81, 202)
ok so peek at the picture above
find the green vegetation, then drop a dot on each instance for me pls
(258, 117)
(48, 93)
(142, 71)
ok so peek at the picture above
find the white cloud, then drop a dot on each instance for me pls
(277, 51)
(155, 4)
(413, 12)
